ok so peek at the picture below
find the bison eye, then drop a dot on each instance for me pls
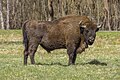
(87, 31)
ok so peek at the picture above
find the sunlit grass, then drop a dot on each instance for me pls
(100, 61)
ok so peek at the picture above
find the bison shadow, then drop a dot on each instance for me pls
(50, 64)
(95, 62)
(92, 62)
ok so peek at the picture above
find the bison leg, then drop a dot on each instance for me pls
(71, 51)
(32, 49)
(82, 45)
(82, 48)
(25, 57)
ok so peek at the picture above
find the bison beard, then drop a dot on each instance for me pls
(65, 33)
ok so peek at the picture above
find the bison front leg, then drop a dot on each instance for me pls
(82, 47)
(71, 51)
(32, 49)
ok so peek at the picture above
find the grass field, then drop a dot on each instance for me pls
(100, 61)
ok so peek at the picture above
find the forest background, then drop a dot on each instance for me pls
(14, 12)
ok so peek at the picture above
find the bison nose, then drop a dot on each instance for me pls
(91, 39)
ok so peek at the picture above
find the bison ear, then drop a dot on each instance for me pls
(82, 27)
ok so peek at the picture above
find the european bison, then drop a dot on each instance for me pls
(65, 33)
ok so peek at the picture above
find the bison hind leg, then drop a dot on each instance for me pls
(25, 57)
(33, 45)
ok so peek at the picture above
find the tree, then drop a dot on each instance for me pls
(107, 14)
(51, 11)
(1, 16)
(8, 25)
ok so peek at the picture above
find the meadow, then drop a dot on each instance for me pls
(101, 61)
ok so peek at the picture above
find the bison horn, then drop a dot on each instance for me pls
(99, 25)
(80, 23)
(84, 26)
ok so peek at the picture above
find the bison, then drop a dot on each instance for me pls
(67, 32)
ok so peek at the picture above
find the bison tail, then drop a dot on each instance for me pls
(25, 38)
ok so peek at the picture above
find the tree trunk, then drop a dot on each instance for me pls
(51, 11)
(107, 13)
(1, 16)
(98, 12)
(8, 25)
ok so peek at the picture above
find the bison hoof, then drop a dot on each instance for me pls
(25, 64)
(71, 64)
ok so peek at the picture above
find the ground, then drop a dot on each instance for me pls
(101, 61)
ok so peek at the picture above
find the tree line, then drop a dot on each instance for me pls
(14, 12)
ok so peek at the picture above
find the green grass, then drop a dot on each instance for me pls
(100, 61)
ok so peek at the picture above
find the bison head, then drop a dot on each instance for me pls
(89, 31)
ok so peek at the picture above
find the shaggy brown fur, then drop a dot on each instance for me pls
(65, 33)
